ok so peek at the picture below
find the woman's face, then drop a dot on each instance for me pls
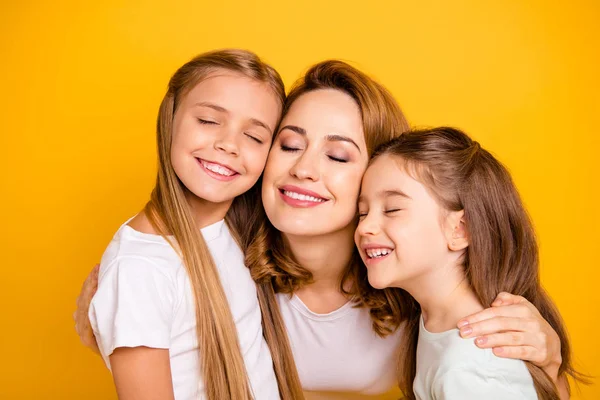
(312, 177)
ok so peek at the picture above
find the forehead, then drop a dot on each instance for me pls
(388, 173)
(236, 93)
(326, 111)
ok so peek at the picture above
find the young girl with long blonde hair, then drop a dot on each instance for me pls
(176, 314)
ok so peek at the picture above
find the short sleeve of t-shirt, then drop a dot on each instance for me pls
(133, 306)
(470, 383)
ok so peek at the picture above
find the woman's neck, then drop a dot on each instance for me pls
(327, 257)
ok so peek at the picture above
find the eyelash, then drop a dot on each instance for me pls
(206, 122)
(257, 140)
(340, 160)
(288, 149)
(293, 149)
(392, 211)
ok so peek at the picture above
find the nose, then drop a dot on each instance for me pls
(306, 167)
(368, 225)
(227, 143)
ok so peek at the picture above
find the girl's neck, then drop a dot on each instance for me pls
(206, 213)
(327, 257)
(445, 297)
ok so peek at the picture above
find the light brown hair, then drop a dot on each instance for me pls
(502, 254)
(273, 266)
(222, 365)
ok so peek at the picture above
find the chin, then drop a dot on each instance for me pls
(213, 196)
(378, 281)
(298, 228)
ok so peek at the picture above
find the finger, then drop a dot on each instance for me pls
(513, 338)
(499, 324)
(525, 353)
(89, 340)
(515, 311)
(506, 299)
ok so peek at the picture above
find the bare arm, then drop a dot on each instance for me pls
(142, 373)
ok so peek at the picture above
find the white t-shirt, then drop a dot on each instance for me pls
(450, 367)
(144, 298)
(338, 355)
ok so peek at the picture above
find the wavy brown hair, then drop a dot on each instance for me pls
(502, 254)
(222, 364)
(271, 263)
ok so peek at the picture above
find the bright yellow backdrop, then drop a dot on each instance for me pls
(81, 83)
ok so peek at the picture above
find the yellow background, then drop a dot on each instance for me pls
(81, 83)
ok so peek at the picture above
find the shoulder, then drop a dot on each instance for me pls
(141, 224)
(140, 252)
(465, 368)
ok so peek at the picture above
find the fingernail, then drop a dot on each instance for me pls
(464, 332)
(462, 323)
(481, 341)
(498, 350)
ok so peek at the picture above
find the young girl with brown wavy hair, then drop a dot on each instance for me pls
(175, 315)
(441, 219)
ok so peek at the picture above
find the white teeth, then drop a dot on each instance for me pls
(217, 169)
(302, 197)
(377, 253)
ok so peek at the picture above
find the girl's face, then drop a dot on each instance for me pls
(312, 177)
(222, 131)
(402, 233)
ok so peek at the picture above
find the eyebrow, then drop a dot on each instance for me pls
(387, 193)
(212, 105)
(330, 138)
(340, 138)
(218, 108)
(294, 128)
(396, 192)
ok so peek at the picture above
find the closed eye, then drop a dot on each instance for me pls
(207, 122)
(257, 140)
(340, 160)
(392, 210)
(289, 149)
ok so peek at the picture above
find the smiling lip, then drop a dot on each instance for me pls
(375, 253)
(220, 172)
(301, 198)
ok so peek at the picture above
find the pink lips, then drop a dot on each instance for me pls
(301, 198)
(382, 251)
(205, 164)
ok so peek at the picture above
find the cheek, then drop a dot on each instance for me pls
(345, 185)
(276, 166)
(257, 158)
(188, 136)
(423, 240)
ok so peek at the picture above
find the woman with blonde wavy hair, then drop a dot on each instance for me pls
(330, 334)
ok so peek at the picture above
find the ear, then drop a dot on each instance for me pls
(456, 231)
